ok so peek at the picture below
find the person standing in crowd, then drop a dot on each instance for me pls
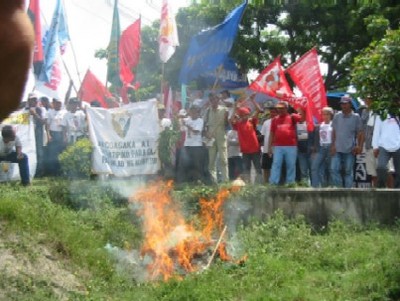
(368, 119)
(228, 102)
(11, 151)
(246, 124)
(56, 140)
(320, 176)
(305, 147)
(266, 160)
(191, 161)
(282, 144)
(235, 162)
(39, 116)
(386, 145)
(74, 122)
(215, 121)
(347, 141)
(45, 103)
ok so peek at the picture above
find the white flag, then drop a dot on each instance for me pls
(168, 33)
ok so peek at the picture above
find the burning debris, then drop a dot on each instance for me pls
(173, 247)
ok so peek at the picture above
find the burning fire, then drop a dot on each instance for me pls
(172, 245)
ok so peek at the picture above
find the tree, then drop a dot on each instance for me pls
(339, 30)
(376, 72)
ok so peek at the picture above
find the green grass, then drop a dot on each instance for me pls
(287, 259)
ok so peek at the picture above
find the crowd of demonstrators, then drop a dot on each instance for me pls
(219, 141)
(324, 157)
(55, 127)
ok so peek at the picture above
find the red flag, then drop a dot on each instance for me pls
(306, 74)
(129, 52)
(302, 103)
(92, 89)
(34, 15)
(272, 81)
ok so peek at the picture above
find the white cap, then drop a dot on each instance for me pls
(182, 112)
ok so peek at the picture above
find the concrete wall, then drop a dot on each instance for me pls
(322, 205)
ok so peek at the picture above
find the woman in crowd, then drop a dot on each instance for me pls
(323, 140)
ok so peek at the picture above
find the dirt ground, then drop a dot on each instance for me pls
(26, 266)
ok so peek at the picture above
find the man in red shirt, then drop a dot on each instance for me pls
(283, 144)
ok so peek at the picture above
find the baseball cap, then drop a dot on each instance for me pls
(182, 112)
(32, 95)
(243, 111)
(345, 99)
(281, 104)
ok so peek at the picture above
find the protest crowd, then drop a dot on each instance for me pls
(222, 139)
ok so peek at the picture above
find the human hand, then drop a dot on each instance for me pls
(333, 149)
(357, 150)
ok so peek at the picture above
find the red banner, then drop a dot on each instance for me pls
(272, 81)
(129, 52)
(92, 89)
(34, 15)
(306, 74)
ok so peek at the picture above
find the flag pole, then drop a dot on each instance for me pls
(162, 82)
(69, 75)
(218, 74)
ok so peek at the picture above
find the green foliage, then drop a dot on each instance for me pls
(76, 160)
(376, 72)
(167, 142)
(79, 195)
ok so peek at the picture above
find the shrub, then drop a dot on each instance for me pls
(79, 195)
(76, 160)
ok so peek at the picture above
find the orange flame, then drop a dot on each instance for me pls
(170, 242)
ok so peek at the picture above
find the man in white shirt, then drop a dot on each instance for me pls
(11, 151)
(191, 161)
(74, 122)
(56, 140)
(266, 159)
(386, 145)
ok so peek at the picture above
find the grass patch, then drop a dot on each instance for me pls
(287, 259)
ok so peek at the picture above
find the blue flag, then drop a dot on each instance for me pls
(209, 49)
(227, 76)
(55, 40)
